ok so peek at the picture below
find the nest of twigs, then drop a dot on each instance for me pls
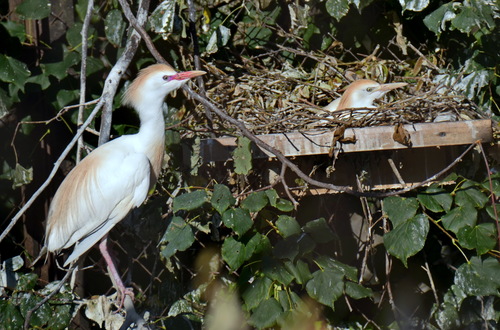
(292, 99)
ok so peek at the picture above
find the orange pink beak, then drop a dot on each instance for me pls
(387, 87)
(187, 75)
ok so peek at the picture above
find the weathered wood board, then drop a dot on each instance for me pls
(377, 138)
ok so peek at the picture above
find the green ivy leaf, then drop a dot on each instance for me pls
(15, 29)
(74, 37)
(21, 176)
(188, 304)
(435, 199)
(257, 36)
(238, 220)
(65, 97)
(220, 37)
(257, 244)
(447, 316)
(41, 79)
(178, 237)
(10, 316)
(255, 202)
(299, 270)
(13, 71)
(294, 246)
(289, 301)
(469, 194)
(266, 314)
(94, 65)
(114, 27)
(189, 201)
(222, 198)
(481, 237)
(491, 211)
(59, 69)
(34, 9)
(495, 183)
(414, 5)
(460, 217)
(337, 8)
(408, 238)
(273, 197)
(349, 272)
(61, 316)
(41, 316)
(474, 15)
(326, 286)
(319, 230)
(242, 156)
(436, 21)
(400, 209)
(478, 277)
(256, 292)
(162, 18)
(27, 282)
(275, 270)
(233, 253)
(471, 84)
(287, 226)
(284, 205)
(357, 291)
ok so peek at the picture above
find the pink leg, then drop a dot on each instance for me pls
(122, 290)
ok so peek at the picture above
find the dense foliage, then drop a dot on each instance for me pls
(210, 248)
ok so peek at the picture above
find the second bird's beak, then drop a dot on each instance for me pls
(387, 87)
(187, 75)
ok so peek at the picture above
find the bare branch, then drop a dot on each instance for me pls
(83, 75)
(118, 70)
(196, 51)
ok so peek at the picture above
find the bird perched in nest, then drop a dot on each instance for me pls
(117, 176)
(361, 94)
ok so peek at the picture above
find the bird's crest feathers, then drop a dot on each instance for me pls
(131, 94)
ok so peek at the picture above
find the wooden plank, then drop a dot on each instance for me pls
(367, 139)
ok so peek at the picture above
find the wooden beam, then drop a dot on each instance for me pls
(367, 139)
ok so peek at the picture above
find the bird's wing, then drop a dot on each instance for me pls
(332, 106)
(97, 194)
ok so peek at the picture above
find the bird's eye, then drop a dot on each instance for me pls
(166, 77)
(370, 89)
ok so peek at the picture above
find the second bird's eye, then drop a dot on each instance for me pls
(167, 77)
(370, 89)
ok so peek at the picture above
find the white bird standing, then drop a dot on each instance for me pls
(117, 176)
(361, 94)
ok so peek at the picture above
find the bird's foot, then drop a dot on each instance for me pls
(122, 294)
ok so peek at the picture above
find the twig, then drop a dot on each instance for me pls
(367, 242)
(431, 280)
(140, 30)
(287, 189)
(419, 53)
(48, 297)
(388, 267)
(396, 172)
(83, 75)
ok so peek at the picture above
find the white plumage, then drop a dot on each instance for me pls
(116, 177)
(361, 94)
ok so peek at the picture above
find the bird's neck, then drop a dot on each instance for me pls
(152, 137)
